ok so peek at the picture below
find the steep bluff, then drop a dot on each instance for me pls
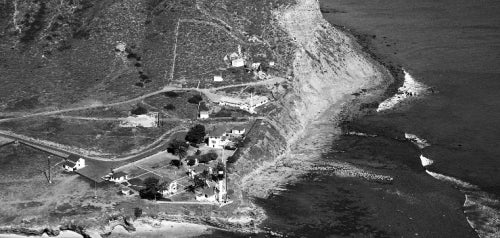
(328, 67)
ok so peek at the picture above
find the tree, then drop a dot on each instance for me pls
(151, 190)
(179, 148)
(175, 162)
(231, 159)
(196, 134)
(199, 182)
(195, 99)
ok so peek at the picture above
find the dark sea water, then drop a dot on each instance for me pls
(452, 46)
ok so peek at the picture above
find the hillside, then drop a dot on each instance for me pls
(58, 54)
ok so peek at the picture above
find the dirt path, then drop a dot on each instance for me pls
(208, 92)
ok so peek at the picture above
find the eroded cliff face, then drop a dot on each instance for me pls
(328, 68)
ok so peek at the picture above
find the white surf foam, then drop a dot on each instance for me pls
(411, 88)
(480, 208)
(419, 142)
(355, 133)
(425, 161)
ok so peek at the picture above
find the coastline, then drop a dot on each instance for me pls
(335, 98)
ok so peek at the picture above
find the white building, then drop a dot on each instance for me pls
(73, 163)
(150, 119)
(239, 130)
(204, 114)
(255, 66)
(240, 62)
(218, 78)
(249, 104)
(119, 177)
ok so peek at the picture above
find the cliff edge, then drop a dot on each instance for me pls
(328, 68)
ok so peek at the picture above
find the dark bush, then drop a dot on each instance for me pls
(195, 99)
(139, 110)
(208, 157)
(191, 162)
(232, 159)
(171, 94)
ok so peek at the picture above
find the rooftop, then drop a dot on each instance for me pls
(118, 174)
(68, 163)
(73, 158)
(217, 131)
(239, 128)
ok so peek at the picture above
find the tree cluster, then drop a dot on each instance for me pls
(151, 190)
(196, 134)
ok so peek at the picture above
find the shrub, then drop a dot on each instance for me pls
(195, 99)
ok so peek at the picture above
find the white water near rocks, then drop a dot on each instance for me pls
(410, 89)
(481, 210)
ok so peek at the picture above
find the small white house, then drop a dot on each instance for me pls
(218, 78)
(119, 177)
(204, 114)
(271, 63)
(239, 62)
(73, 163)
(239, 130)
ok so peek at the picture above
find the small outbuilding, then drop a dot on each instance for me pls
(119, 177)
(218, 78)
(73, 163)
(238, 130)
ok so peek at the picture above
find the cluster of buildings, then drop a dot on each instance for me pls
(213, 190)
(239, 59)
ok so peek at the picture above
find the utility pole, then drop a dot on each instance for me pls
(95, 190)
(48, 167)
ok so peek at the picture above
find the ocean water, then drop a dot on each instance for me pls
(453, 48)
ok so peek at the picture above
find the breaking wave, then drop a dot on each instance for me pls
(411, 88)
